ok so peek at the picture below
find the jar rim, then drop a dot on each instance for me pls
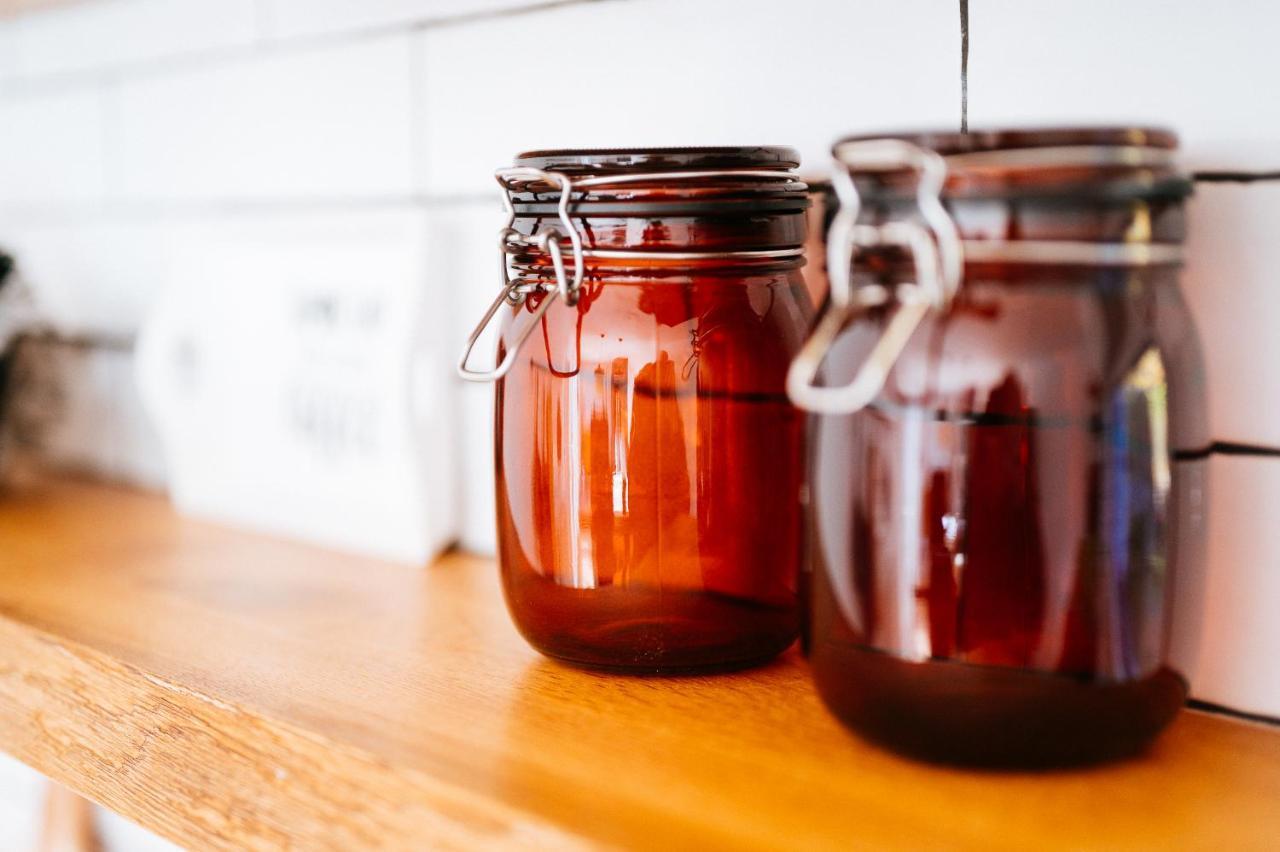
(644, 159)
(949, 142)
(1085, 164)
(657, 182)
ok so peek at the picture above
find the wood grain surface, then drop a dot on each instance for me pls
(233, 691)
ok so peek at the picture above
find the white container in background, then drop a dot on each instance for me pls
(300, 382)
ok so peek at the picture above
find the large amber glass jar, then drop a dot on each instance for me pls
(649, 465)
(1007, 471)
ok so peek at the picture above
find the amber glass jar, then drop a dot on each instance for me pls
(1007, 485)
(649, 464)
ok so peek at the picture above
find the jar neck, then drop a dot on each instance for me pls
(705, 244)
(889, 271)
(1098, 220)
(635, 272)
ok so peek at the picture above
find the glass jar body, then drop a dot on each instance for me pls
(999, 537)
(649, 470)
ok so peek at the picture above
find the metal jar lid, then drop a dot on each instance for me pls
(644, 182)
(570, 186)
(1064, 163)
(916, 181)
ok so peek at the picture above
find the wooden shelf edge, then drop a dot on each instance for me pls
(129, 741)
(230, 690)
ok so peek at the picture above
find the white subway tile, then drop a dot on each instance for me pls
(51, 149)
(8, 46)
(316, 123)
(87, 36)
(669, 72)
(1196, 67)
(90, 275)
(463, 274)
(1239, 664)
(1232, 288)
(289, 18)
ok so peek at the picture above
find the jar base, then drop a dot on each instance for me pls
(992, 716)
(692, 631)
(612, 651)
(643, 669)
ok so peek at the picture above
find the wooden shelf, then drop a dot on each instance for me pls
(230, 690)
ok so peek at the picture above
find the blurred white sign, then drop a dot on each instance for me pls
(299, 379)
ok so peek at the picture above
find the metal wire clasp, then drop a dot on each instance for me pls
(550, 241)
(932, 242)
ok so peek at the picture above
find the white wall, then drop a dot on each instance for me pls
(130, 125)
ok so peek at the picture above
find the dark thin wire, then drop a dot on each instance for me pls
(1210, 707)
(964, 66)
(1234, 177)
(1227, 448)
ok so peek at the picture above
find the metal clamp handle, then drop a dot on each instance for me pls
(503, 366)
(548, 236)
(937, 258)
(550, 241)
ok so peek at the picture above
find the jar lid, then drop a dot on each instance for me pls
(1005, 139)
(644, 182)
(919, 205)
(1105, 163)
(597, 160)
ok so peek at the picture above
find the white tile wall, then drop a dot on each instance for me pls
(95, 275)
(8, 52)
(319, 123)
(1189, 65)
(321, 105)
(1233, 286)
(1239, 663)
(88, 36)
(289, 18)
(51, 147)
(674, 72)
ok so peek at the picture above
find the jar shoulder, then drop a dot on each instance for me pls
(1056, 350)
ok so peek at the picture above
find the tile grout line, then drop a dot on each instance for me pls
(1226, 448)
(1235, 176)
(262, 44)
(1222, 710)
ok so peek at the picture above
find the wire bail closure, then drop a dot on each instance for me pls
(936, 254)
(550, 240)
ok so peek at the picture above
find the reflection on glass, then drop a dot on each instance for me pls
(650, 473)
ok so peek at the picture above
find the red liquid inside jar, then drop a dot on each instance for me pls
(1001, 536)
(649, 463)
